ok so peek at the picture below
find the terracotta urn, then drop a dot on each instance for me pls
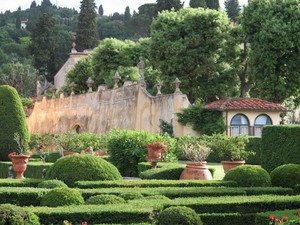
(227, 165)
(20, 164)
(196, 171)
(66, 153)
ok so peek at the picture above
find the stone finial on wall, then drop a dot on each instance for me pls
(116, 79)
(73, 50)
(72, 86)
(141, 66)
(89, 83)
(177, 84)
(39, 91)
(54, 89)
(158, 87)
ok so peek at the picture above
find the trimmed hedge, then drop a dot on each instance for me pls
(34, 169)
(249, 176)
(263, 218)
(155, 183)
(20, 182)
(52, 184)
(254, 145)
(22, 196)
(119, 213)
(143, 166)
(104, 199)
(287, 175)
(227, 218)
(280, 145)
(77, 167)
(12, 120)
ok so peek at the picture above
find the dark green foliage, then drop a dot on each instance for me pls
(232, 8)
(86, 37)
(62, 197)
(179, 215)
(104, 199)
(44, 45)
(168, 5)
(131, 195)
(287, 175)
(254, 145)
(213, 4)
(127, 14)
(270, 27)
(202, 121)
(280, 145)
(82, 167)
(197, 3)
(249, 176)
(12, 120)
(14, 215)
(100, 10)
(128, 148)
(52, 184)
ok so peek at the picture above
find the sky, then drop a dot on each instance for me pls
(109, 6)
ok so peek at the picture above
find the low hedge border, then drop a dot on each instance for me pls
(227, 218)
(263, 218)
(20, 182)
(297, 189)
(93, 214)
(155, 183)
(21, 196)
(34, 169)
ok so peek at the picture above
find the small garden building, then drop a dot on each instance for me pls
(247, 116)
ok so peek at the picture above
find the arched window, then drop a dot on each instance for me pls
(259, 122)
(239, 125)
(77, 129)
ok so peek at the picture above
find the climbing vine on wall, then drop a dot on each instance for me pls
(202, 120)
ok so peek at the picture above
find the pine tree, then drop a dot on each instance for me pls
(232, 8)
(100, 10)
(213, 4)
(127, 14)
(44, 44)
(87, 37)
(168, 5)
(197, 3)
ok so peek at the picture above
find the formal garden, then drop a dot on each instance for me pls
(137, 177)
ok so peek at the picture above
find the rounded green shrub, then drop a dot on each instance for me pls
(13, 121)
(177, 215)
(104, 199)
(249, 176)
(287, 175)
(15, 215)
(51, 184)
(78, 167)
(131, 195)
(62, 196)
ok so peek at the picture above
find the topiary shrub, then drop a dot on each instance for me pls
(51, 184)
(177, 215)
(13, 120)
(15, 215)
(287, 175)
(104, 199)
(249, 176)
(62, 196)
(131, 195)
(77, 167)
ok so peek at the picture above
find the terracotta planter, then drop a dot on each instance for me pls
(69, 153)
(20, 164)
(227, 165)
(196, 171)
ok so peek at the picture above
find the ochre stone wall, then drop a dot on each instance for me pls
(130, 107)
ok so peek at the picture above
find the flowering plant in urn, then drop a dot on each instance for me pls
(156, 152)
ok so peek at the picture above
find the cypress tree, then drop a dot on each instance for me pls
(12, 120)
(87, 37)
(213, 4)
(18, 18)
(100, 10)
(232, 8)
(197, 3)
(33, 5)
(127, 14)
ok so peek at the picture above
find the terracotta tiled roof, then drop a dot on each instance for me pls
(244, 103)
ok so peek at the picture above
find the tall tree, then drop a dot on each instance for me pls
(33, 5)
(273, 29)
(232, 8)
(168, 5)
(87, 37)
(44, 44)
(213, 4)
(127, 14)
(189, 44)
(100, 10)
(197, 3)
(18, 18)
